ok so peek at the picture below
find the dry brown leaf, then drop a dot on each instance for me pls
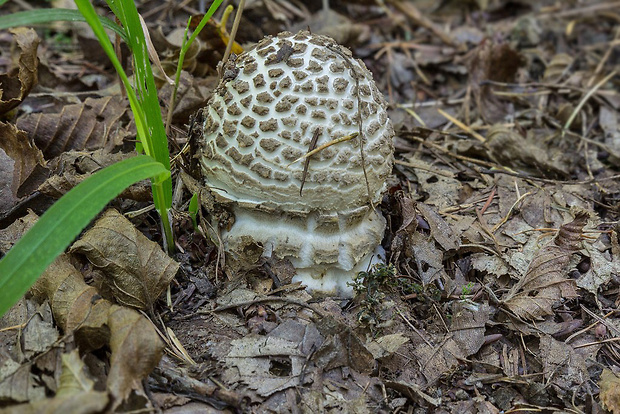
(252, 360)
(75, 392)
(545, 282)
(469, 325)
(342, 347)
(136, 351)
(496, 62)
(563, 367)
(386, 345)
(96, 123)
(527, 154)
(29, 167)
(15, 85)
(73, 167)
(77, 307)
(440, 230)
(609, 393)
(138, 270)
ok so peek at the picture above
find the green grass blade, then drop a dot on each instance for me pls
(39, 16)
(64, 220)
(144, 104)
(92, 19)
(144, 81)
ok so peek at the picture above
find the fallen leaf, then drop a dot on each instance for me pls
(75, 392)
(73, 167)
(563, 367)
(609, 393)
(603, 265)
(527, 154)
(136, 351)
(77, 307)
(440, 230)
(17, 84)
(468, 325)
(497, 62)
(73, 378)
(413, 392)
(545, 282)
(266, 364)
(386, 345)
(96, 123)
(29, 168)
(137, 269)
(342, 347)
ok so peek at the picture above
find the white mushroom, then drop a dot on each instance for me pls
(270, 106)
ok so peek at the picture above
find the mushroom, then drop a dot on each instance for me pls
(281, 147)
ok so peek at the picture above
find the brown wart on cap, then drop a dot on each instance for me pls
(290, 89)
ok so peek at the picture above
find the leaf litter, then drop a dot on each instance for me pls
(502, 288)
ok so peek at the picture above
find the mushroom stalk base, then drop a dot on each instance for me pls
(326, 254)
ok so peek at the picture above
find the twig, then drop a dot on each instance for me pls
(585, 99)
(311, 151)
(267, 299)
(233, 32)
(461, 125)
(418, 18)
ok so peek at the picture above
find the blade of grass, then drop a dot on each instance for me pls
(39, 16)
(64, 220)
(184, 48)
(144, 104)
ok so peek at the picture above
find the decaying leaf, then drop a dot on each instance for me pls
(469, 325)
(545, 282)
(413, 392)
(440, 230)
(29, 169)
(342, 347)
(17, 384)
(563, 367)
(96, 123)
(16, 85)
(78, 308)
(603, 264)
(610, 391)
(73, 167)
(137, 269)
(526, 154)
(75, 392)
(428, 258)
(266, 364)
(386, 345)
(136, 351)
(492, 62)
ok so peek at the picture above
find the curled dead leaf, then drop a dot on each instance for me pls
(545, 282)
(137, 269)
(78, 308)
(136, 351)
(17, 83)
(28, 168)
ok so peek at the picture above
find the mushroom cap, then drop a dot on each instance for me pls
(265, 112)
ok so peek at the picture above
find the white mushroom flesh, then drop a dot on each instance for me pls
(262, 118)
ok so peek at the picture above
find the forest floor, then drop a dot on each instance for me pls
(502, 288)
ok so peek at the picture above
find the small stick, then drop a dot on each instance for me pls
(311, 149)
